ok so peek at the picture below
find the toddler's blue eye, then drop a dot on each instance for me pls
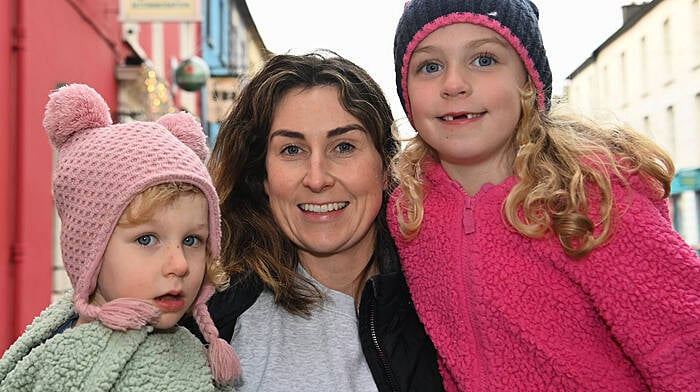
(146, 240)
(191, 241)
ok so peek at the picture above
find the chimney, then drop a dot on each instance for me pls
(630, 10)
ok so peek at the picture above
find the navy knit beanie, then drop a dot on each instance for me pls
(515, 20)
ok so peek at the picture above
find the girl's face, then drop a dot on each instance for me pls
(464, 84)
(161, 260)
(325, 176)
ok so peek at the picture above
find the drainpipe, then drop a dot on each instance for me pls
(16, 127)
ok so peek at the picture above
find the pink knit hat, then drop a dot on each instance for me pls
(100, 169)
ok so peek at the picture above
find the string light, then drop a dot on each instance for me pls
(157, 96)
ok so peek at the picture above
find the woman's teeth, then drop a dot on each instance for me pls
(323, 207)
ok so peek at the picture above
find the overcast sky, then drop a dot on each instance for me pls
(363, 31)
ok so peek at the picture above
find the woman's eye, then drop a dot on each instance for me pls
(431, 67)
(484, 61)
(345, 147)
(291, 150)
(191, 241)
(146, 240)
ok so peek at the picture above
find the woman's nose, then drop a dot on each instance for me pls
(318, 176)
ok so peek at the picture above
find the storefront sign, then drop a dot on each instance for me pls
(221, 91)
(686, 180)
(160, 10)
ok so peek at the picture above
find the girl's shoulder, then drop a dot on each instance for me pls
(37, 333)
(636, 187)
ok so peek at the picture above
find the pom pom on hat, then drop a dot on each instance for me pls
(72, 110)
(100, 169)
(188, 129)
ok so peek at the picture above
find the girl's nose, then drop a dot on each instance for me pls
(318, 176)
(177, 262)
(455, 82)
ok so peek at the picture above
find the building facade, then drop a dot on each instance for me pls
(647, 74)
(127, 50)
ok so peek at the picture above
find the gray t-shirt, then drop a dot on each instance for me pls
(280, 351)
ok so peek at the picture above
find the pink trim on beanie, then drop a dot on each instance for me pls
(477, 19)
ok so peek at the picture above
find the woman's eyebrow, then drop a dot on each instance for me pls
(332, 133)
(287, 133)
(345, 129)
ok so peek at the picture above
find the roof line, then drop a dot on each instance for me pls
(626, 25)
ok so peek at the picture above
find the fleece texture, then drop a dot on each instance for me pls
(92, 357)
(511, 313)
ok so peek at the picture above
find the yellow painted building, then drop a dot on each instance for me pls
(647, 74)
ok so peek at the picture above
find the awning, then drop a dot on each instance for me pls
(686, 180)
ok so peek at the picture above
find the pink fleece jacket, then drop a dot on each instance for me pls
(511, 313)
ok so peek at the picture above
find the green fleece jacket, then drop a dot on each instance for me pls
(91, 357)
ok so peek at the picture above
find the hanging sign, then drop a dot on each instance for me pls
(160, 10)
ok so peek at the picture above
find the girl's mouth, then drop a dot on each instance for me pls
(171, 302)
(468, 116)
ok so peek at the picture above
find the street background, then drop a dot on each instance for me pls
(363, 31)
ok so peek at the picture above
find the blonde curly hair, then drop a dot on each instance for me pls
(557, 155)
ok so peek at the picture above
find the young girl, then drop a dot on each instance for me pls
(538, 247)
(139, 238)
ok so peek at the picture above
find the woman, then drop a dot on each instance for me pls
(317, 298)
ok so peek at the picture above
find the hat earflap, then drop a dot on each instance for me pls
(120, 314)
(223, 360)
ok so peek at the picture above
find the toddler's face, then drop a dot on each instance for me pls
(161, 260)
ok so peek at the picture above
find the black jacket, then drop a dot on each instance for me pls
(399, 353)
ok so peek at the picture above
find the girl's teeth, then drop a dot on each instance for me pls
(468, 116)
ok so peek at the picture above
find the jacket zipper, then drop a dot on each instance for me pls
(385, 365)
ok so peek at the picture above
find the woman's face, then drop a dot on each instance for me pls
(325, 176)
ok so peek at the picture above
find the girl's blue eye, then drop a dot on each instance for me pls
(146, 240)
(191, 241)
(484, 61)
(431, 67)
